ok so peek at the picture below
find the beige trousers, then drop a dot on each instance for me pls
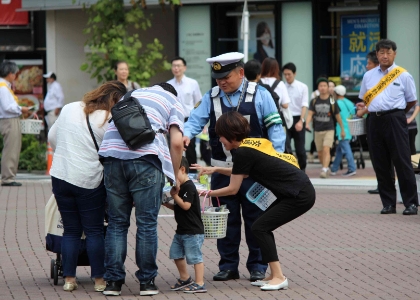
(12, 142)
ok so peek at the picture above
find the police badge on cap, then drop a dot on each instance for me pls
(223, 64)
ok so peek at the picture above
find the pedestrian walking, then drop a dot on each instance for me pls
(323, 110)
(347, 110)
(188, 240)
(233, 92)
(54, 100)
(136, 177)
(77, 179)
(388, 92)
(10, 128)
(279, 172)
(298, 94)
(189, 94)
(122, 72)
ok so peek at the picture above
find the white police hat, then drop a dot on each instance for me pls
(223, 64)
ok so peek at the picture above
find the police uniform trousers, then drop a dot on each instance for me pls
(388, 140)
(12, 142)
(228, 247)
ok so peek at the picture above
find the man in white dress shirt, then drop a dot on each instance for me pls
(189, 94)
(298, 94)
(9, 124)
(54, 100)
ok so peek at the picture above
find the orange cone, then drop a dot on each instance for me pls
(49, 158)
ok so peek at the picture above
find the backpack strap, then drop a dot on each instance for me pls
(275, 84)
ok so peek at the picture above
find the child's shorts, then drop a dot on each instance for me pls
(188, 246)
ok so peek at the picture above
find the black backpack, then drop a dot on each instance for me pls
(132, 122)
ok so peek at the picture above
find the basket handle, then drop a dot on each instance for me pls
(33, 115)
(207, 196)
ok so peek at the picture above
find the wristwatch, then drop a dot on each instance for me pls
(303, 120)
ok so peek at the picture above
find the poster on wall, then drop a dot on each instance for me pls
(194, 43)
(359, 35)
(261, 37)
(9, 15)
(28, 85)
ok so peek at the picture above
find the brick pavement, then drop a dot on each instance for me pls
(342, 249)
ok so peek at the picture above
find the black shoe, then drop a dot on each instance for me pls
(256, 275)
(388, 210)
(411, 210)
(113, 288)
(375, 191)
(226, 275)
(13, 183)
(149, 288)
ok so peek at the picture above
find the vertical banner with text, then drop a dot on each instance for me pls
(359, 35)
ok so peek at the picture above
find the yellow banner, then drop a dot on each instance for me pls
(265, 146)
(382, 84)
(11, 92)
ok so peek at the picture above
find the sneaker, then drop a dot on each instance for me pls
(149, 288)
(113, 288)
(349, 173)
(333, 173)
(323, 174)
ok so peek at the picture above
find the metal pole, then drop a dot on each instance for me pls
(245, 28)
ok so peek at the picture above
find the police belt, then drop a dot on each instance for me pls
(221, 163)
(385, 112)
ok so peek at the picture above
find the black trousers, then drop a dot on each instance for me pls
(279, 213)
(299, 139)
(412, 138)
(388, 140)
(190, 153)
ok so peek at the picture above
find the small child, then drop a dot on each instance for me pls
(189, 236)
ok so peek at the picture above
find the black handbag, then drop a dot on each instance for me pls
(132, 122)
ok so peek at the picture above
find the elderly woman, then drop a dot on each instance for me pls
(10, 129)
(278, 172)
(122, 71)
(77, 178)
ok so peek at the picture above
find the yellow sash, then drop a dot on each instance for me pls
(382, 84)
(11, 92)
(265, 146)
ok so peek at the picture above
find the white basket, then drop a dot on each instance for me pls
(357, 126)
(215, 222)
(31, 126)
(260, 196)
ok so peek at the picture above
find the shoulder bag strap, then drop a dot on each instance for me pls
(275, 84)
(91, 133)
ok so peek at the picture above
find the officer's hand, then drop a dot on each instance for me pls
(299, 125)
(186, 141)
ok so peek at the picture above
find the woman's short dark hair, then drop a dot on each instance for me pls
(386, 44)
(270, 68)
(104, 97)
(7, 67)
(232, 126)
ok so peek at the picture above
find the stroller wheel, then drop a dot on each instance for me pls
(55, 274)
(52, 268)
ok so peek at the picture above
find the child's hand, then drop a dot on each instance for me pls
(173, 191)
(166, 204)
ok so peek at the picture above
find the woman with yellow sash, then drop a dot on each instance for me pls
(9, 124)
(279, 172)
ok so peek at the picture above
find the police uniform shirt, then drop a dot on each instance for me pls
(264, 105)
(395, 95)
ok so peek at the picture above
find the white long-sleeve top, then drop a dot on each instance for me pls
(54, 98)
(8, 106)
(76, 160)
(280, 89)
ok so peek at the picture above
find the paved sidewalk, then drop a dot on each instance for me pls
(341, 249)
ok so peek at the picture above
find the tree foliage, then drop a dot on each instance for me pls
(113, 32)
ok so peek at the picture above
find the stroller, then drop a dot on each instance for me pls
(54, 234)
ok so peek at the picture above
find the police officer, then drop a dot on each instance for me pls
(388, 91)
(234, 92)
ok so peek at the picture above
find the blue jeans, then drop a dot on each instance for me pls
(188, 246)
(343, 148)
(82, 210)
(127, 182)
